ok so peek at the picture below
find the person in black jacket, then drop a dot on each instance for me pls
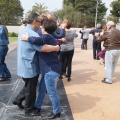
(96, 43)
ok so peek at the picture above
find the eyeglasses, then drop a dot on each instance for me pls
(38, 21)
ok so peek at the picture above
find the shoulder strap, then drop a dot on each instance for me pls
(5, 29)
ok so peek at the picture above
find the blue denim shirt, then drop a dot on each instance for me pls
(27, 60)
(3, 37)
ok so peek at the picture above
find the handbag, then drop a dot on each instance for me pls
(101, 54)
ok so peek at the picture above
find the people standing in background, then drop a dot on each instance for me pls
(96, 44)
(4, 72)
(85, 32)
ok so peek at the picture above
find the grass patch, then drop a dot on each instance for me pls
(13, 39)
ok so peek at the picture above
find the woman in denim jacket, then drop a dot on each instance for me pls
(4, 72)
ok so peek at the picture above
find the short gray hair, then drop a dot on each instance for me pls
(98, 25)
(110, 23)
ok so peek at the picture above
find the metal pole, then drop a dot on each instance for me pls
(96, 14)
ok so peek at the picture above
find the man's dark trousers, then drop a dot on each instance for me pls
(84, 44)
(28, 93)
(96, 49)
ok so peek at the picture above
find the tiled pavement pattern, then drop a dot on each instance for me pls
(89, 98)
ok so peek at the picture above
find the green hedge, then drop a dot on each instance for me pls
(12, 34)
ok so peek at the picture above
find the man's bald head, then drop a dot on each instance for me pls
(50, 17)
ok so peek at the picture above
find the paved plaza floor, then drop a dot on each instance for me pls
(85, 97)
(89, 98)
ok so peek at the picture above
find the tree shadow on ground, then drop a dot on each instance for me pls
(82, 76)
(82, 103)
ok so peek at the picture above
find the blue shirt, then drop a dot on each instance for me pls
(27, 60)
(47, 61)
(39, 31)
(60, 35)
(98, 30)
(3, 37)
(56, 35)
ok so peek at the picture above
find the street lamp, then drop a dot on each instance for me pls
(96, 14)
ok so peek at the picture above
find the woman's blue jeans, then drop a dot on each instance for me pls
(51, 79)
(4, 72)
(49, 82)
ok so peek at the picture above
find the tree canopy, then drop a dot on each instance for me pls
(83, 11)
(68, 12)
(39, 8)
(115, 8)
(10, 11)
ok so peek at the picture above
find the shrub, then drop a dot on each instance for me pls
(12, 34)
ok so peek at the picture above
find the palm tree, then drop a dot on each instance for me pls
(39, 8)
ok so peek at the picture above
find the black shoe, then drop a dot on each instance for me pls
(3, 79)
(36, 110)
(8, 77)
(64, 74)
(67, 76)
(33, 113)
(53, 116)
(69, 79)
(18, 104)
(105, 81)
(60, 78)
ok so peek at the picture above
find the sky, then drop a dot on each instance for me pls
(107, 4)
(53, 4)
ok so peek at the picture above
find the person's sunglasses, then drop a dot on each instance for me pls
(38, 21)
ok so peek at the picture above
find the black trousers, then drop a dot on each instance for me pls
(28, 93)
(84, 44)
(67, 57)
(96, 49)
